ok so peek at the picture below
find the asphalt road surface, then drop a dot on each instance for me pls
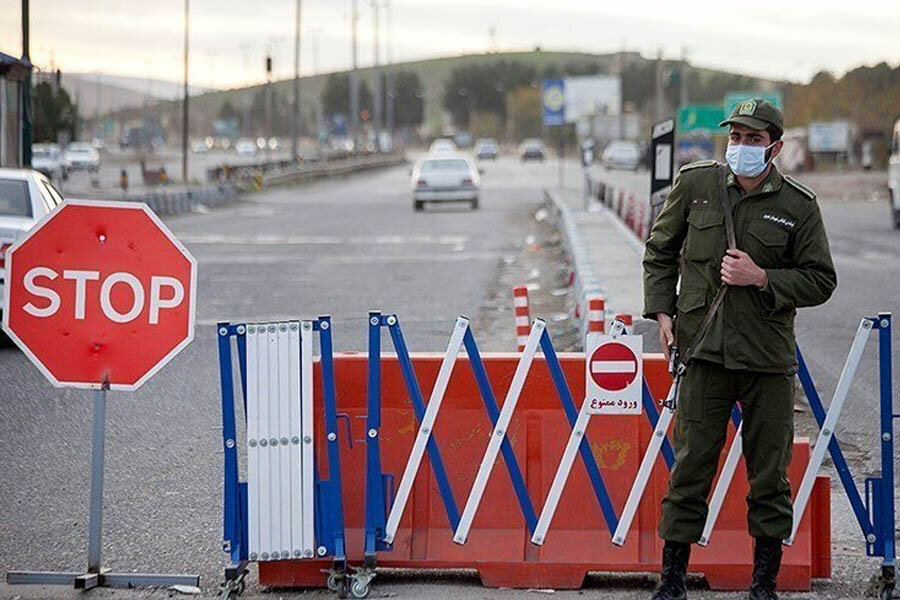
(343, 247)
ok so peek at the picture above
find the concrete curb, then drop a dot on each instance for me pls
(176, 202)
(585, 281)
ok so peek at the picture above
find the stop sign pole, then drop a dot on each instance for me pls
(99, 295)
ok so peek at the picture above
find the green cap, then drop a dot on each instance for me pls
(755, 114)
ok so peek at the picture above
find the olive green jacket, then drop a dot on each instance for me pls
(779, 225)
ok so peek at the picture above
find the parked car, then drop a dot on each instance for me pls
(487, 148)
(245, 147)
(442, 145)
(48, 159)
(82, 156)
(531, 149)
(447, 177)
(894, 175)
(25, 197)
(621, 154)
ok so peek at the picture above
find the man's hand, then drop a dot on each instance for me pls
(739, 269)
(666, 336)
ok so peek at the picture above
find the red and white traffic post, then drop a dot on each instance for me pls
(523, 317)
(99, 295)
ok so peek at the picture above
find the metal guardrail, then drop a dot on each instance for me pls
(273, 172)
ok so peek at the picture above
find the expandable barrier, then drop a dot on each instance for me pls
(283, 510)
(437, 446)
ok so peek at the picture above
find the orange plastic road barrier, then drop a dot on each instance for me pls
(578, 540)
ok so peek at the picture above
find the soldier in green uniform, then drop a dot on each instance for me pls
(781, 262)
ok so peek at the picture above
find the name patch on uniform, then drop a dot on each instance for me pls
(780, 220)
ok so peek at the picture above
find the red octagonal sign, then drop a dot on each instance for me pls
(100, 293)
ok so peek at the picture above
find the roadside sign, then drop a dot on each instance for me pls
(614, 374)
(100, 294)
(700, 118)
(662, 141)
(732, 98)
(553, 102)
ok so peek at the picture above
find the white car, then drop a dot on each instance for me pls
(445, 177)
(48, 159)
(622, 154)
(894, 175)
(25, 197)
(82, 155)
(442, 145)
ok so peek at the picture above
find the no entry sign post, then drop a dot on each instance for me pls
(99, 295)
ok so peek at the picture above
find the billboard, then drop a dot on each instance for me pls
(592, 95)
(553, 102)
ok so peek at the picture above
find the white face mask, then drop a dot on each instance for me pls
(747, 161)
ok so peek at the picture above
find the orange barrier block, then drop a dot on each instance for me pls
(578, 541)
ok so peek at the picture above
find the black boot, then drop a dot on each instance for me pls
(766, 563)
(674, 568)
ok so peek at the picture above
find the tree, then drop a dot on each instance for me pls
(278, 113)
(524, 112)
(482, 88)
(409, 99)
(53, 112)
(336, 96)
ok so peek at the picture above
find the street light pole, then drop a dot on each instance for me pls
(26, 91)
(389, 77)
(376, 73)
(184, 116)
(295, 116)
(354, 80)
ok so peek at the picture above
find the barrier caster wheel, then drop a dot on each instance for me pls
(343, 588)
(360, 589)
(332, 583)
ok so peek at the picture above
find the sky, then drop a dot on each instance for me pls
(784, 39)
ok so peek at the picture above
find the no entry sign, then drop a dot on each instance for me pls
(100, 293)
(614, 374)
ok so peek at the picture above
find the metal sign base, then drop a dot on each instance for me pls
(96, 576)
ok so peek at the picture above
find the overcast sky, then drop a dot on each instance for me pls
(780, 39)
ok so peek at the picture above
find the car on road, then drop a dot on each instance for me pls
(245, 147)
(531, 149)
(621, 154)
(48, 159)
(894, 175)
(441, 145)
(487, 148)
(82, 156)
(25, 197)
(447, 177)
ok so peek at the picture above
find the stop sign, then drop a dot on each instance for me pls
(100, 292)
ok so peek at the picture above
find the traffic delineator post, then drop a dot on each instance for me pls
(522, 315)
(596, 314)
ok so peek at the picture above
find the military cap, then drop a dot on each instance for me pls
(755, 114)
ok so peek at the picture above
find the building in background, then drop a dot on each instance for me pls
(13, 73)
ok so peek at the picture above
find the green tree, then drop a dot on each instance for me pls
(524, 112)
(409, 99)
(482, 88)
(53, 112)
(336, 96)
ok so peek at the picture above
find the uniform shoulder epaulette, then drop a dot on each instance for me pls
(800, 187)
(699, 164)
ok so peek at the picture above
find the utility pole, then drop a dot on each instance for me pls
(376, 73)
(295, 115)
(26, 92)
(659, 86)
(267, 133)
(389, 116)
(354, 80)
(184, 116)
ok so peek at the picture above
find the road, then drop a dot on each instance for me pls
(343, 247)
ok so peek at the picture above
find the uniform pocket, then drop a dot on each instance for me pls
(767, 243)
(690, 306)
(706, 235)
